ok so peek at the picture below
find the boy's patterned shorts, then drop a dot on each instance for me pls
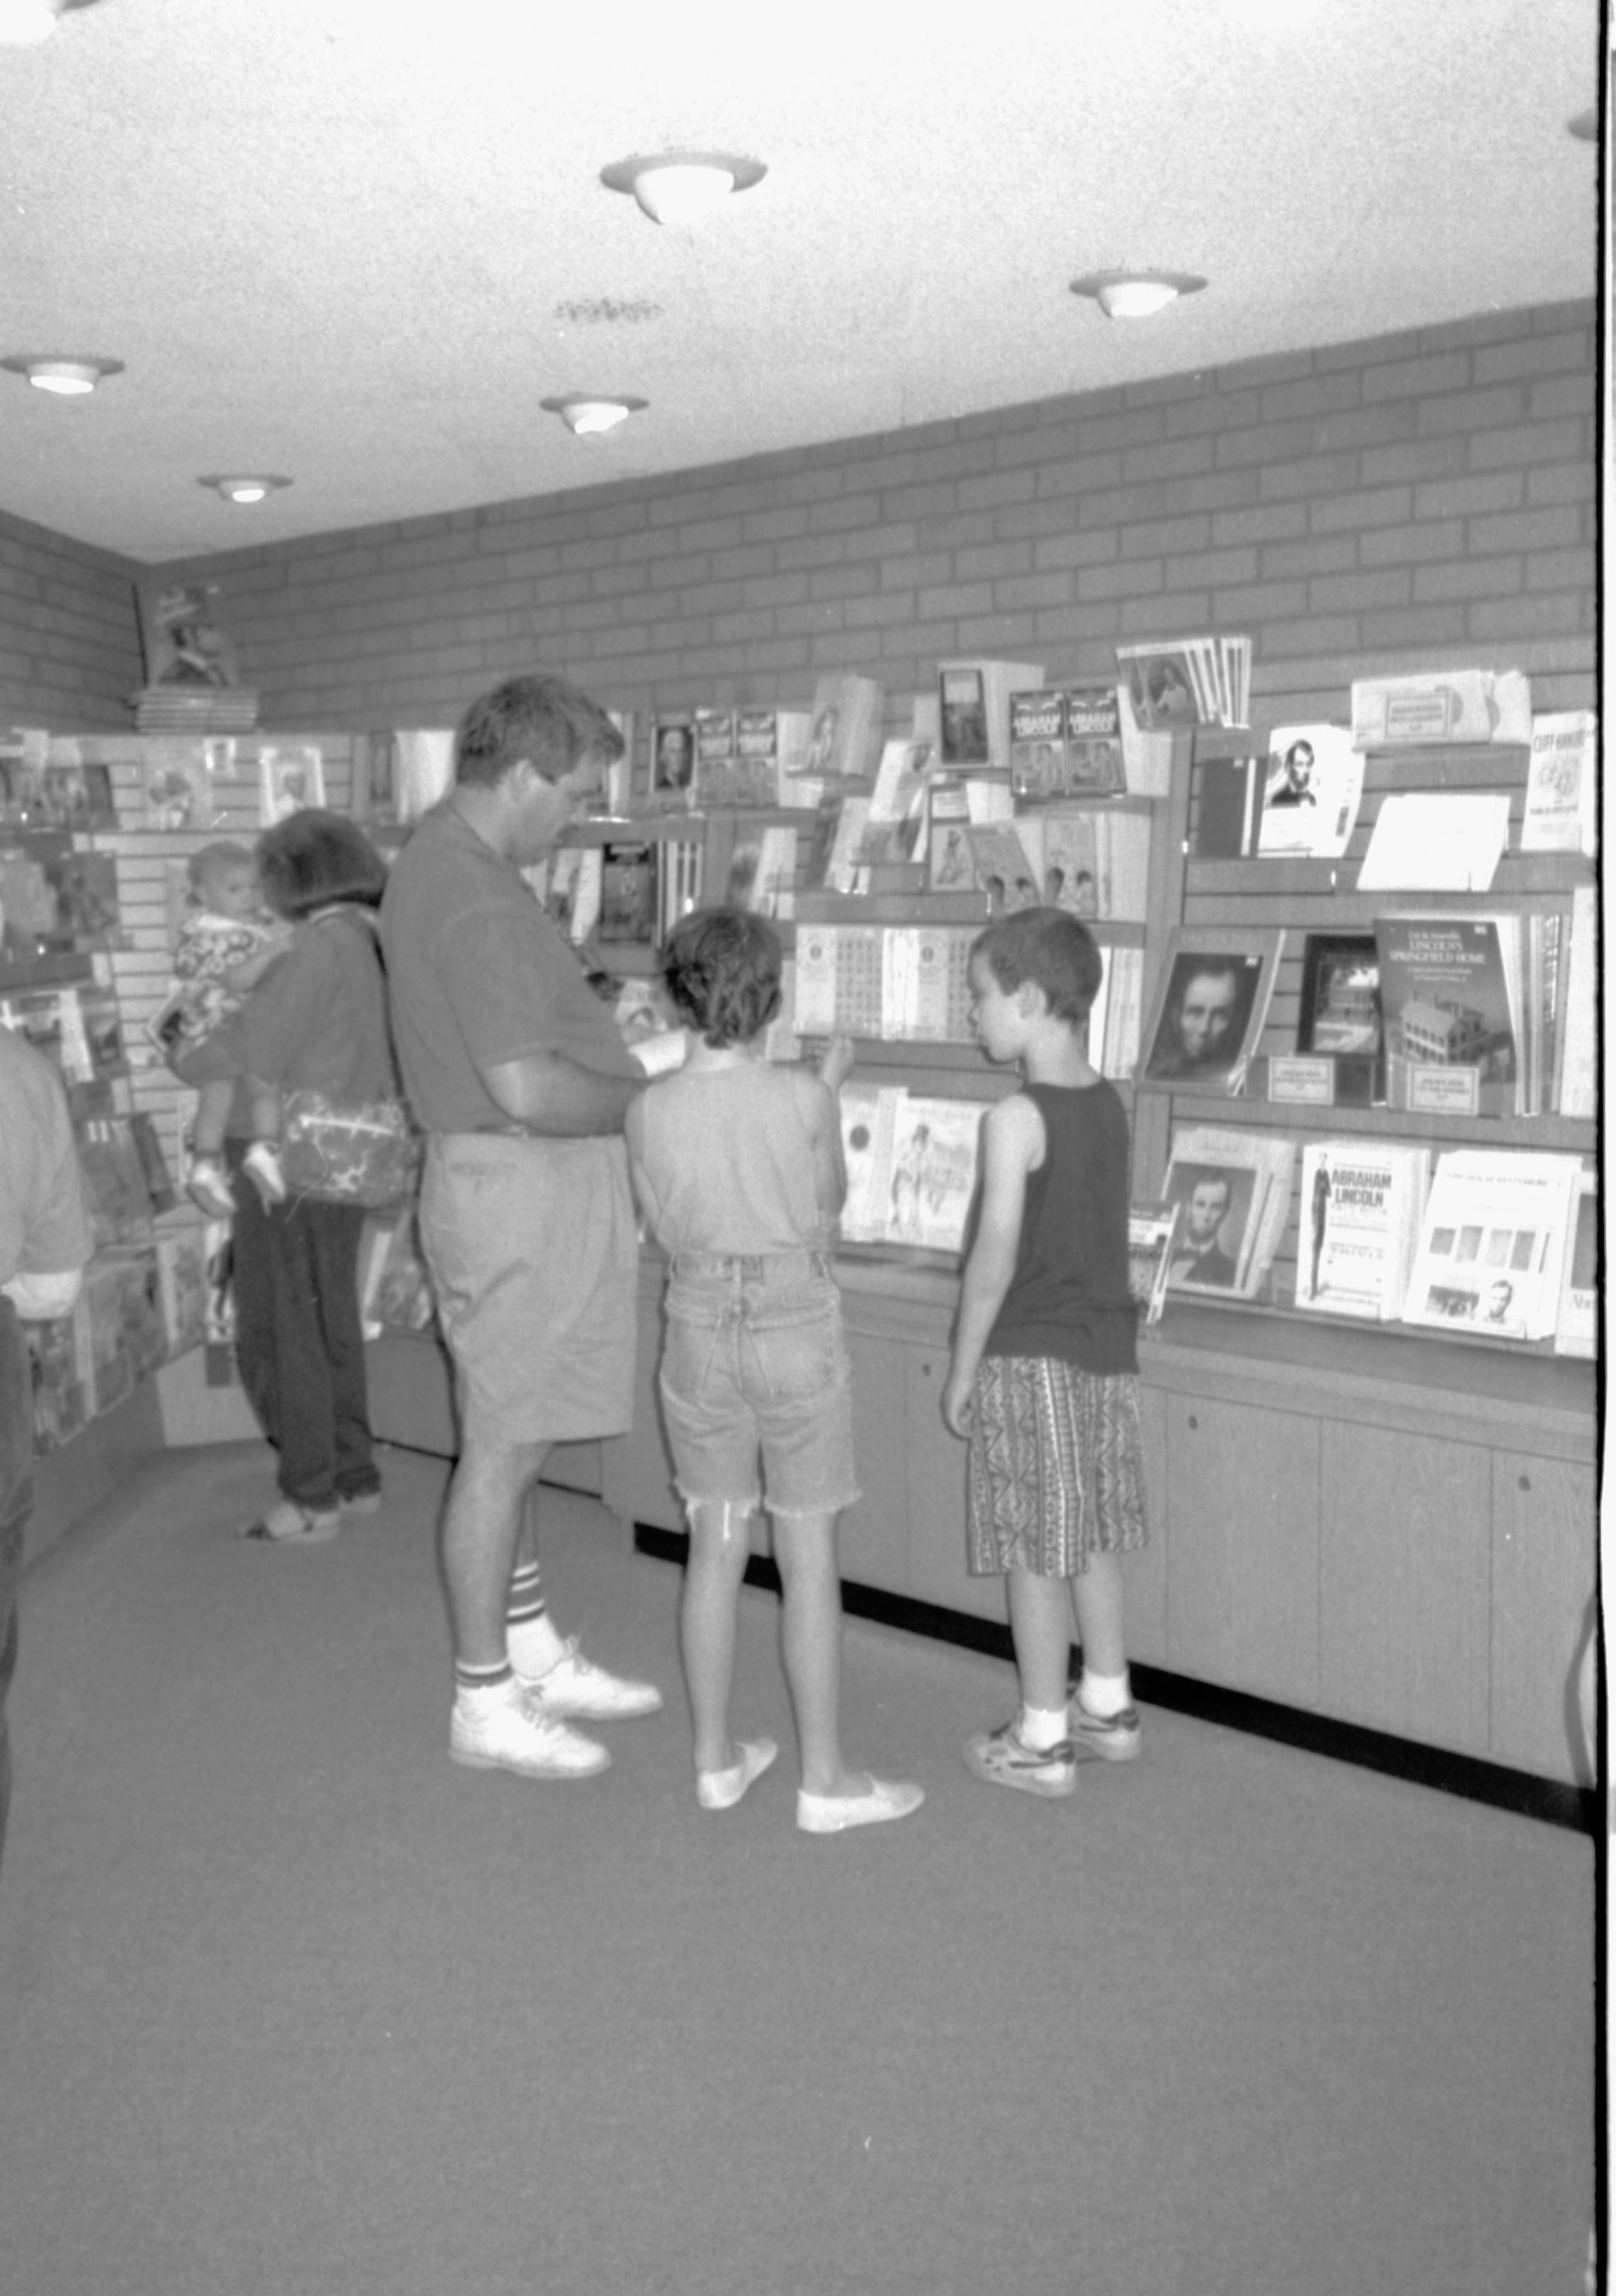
(1056, 1469)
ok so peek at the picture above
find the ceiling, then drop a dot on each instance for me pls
(356, 242)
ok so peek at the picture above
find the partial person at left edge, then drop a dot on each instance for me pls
(46, 1240)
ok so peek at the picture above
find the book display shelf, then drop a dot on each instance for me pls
(1371, 1525)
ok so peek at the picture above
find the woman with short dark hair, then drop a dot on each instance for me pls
(317, 1021)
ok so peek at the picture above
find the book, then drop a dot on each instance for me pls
(899, 799)
(571, 883)
(1361, 1203)
(672, 761)
(911, 1162)
(1314, 788)
(1452, 998)
(1340, 1013)
(1212, 1002)
(629, 910)
(1115, 1022)
(1492, 1242)
(760, 870)
(1066, 740)
(973, 710)
(777, 741)
(289, 779)
(725, 774)
(425, 768)
(1577, 1312)
(1004, 868)
(1233, 1190)
(1228, 808)
(844, 732)
(1441, 705)
(949, 868)
(1436, 842)
(1194, 680)
(1151, 1231)
(1576, 1065)
(1561, 810)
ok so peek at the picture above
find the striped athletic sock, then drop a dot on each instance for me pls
(530, 1637)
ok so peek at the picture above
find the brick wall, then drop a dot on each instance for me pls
(1391, 503)
(69, 635)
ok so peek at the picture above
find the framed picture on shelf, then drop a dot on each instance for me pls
(373, 792)
(1340, 1013)
(289, 780)
(1212, 1002)
(180, 634)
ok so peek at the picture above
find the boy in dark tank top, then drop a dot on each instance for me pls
(1042, 1382)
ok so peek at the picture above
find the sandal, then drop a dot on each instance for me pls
(288, 1524)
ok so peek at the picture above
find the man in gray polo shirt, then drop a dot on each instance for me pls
(517, 1073)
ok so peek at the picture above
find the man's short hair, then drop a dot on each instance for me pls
(547, 720)
(1050, 947)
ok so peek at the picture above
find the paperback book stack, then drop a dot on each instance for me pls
(195, 709)
(911, 1163)
(1233, 1193)
(1492, 1249)
(1362, 1202)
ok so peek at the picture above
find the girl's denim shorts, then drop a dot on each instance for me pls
(754, 1365)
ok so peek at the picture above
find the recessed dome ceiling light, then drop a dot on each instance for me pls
(590, 415)
(24, 23)
(683, 186)
(244, 490)
(1136, 294)
(70, 376)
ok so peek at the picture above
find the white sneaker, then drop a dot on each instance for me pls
(208, 1183)
(577, 1688)
(262, 1166)
(506, 1733)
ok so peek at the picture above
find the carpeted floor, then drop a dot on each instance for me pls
(291, 2006)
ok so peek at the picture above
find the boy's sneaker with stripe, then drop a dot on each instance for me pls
(1103, 1737)
(1002, 1758)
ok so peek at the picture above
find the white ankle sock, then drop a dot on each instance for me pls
(534, 1645)
(482, 1686)
(1104, 1695)
(1042, 1727)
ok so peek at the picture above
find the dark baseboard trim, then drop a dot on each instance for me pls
(1574, 1807)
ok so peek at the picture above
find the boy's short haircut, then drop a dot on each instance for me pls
(1050, 947)
(209, 864)
(723, 967)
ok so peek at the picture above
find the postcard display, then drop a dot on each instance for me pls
(95, 832)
